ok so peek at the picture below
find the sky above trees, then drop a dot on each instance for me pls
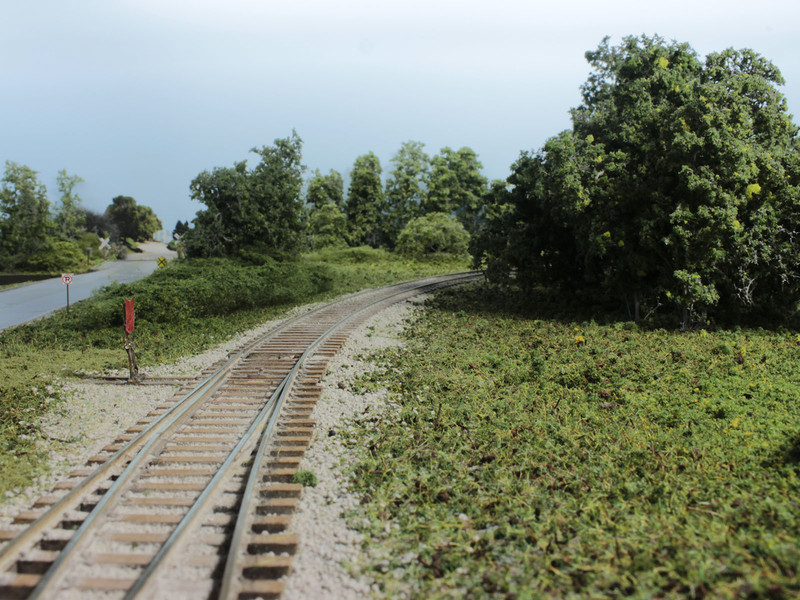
(139, 96)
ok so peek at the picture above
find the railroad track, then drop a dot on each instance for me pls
(195, 500)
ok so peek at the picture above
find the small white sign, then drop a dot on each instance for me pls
(66, 278)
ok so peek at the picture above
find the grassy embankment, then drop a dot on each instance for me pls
(538, 455)
(180, 310)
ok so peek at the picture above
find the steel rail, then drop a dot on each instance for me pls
(231, 571)
(147, 439)
(270, 411)
(200, 503)
(12, 550)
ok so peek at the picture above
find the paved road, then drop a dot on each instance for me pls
(31, 301)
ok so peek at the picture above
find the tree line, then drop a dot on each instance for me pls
(35, 235)
(264, 208)
(677, 188)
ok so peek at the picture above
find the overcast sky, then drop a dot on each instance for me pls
(139, 96)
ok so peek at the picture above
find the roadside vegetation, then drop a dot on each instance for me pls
(39, 237)
(181, 309)
(540, 448)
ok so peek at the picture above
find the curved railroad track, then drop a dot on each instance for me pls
(195, 500)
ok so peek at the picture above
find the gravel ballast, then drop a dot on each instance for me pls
(324, 566)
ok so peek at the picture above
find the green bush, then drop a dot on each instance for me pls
(57, 256)
(434, 233)
(306, 478)
(358, 255)
(89, 240)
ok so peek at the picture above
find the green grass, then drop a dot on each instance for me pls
(535, 456)
(180, 310)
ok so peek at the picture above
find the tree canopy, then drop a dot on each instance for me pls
(323, 189)
(677, 185)
(133, 220)
(259, 207)
(406, 187)
(25, 220)
(456, 186)
(365, 204)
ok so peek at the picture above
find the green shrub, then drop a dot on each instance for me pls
(358, 255)
(435, 233)
(307, 478)
(57, 256)
(89, 240)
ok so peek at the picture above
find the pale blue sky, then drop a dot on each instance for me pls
(138, 96)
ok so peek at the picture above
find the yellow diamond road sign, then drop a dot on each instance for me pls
(161, 261)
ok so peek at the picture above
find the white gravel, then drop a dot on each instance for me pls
(91, 417)
(325, 565)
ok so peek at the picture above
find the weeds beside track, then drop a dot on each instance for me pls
(535, 456)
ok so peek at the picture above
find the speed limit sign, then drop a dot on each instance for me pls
(66, 278)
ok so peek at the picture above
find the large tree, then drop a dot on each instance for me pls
(456, 185)
(677, 184)
(133, 220)
(406, 187)
(25, 220)
(259, 208)
(365, 204)
(70, 219)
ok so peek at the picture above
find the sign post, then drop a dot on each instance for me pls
(66, 279)
(129, 318)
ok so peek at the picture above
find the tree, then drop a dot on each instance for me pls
(365, 201)
(677, 185)
(99, 223)
(406, 187)
(328, 226)
(435, 233)
(25, 221)
(276, 184)
(147, 223)
(70, 221)
(324, 189)
(258, 208)
(180, 228)
(132, 220)
(456, 186)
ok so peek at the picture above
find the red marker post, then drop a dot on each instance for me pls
(66, 279)
(129, 319)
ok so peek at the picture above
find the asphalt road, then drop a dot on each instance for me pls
(34, 300)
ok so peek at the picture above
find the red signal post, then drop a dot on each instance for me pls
(129, 319)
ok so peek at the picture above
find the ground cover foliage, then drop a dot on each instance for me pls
(181, 310)
(549, 453)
